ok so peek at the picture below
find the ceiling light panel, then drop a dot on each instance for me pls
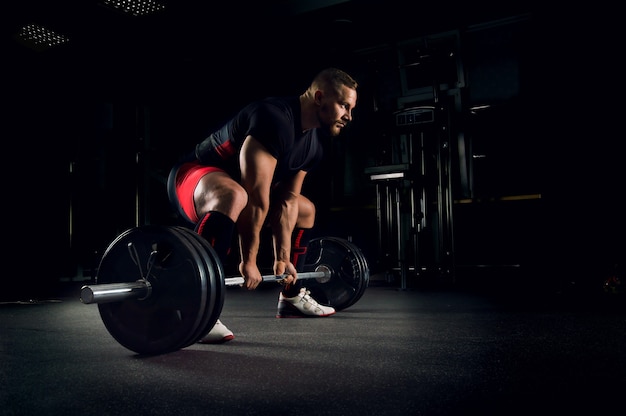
(39, 37)
(135, 7)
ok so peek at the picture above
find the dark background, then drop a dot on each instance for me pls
(93, 125)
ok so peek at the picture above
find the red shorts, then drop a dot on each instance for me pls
(187, 179)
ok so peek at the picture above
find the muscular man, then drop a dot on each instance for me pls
(250, 172)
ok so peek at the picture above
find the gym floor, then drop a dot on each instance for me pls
(424, 351)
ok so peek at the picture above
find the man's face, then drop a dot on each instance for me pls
(336, 110)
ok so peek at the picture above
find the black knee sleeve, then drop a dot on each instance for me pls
(217, 229)
(299, 243)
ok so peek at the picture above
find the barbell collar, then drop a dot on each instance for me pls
(141, 289)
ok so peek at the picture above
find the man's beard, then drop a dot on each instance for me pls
(331, 130)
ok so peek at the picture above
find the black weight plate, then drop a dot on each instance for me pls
(207, 268)
(365, 270)
(216, 275)
(347, 279)
(171, 314)
(364, 267)
(220, 283)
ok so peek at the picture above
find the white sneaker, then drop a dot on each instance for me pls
(301, 305)
(218, 334)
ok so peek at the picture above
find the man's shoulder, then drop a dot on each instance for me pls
(283, 103)
(274, 108)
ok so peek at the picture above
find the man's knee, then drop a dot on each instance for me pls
(306, 213)
(238, 198)
(225, 196)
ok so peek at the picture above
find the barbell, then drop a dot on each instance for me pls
(161, 288)
(141, 289)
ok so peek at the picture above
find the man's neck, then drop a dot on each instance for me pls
(308, 114)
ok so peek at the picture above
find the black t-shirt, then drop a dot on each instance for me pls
(275, 122)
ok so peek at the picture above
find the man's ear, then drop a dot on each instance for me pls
(318, 97)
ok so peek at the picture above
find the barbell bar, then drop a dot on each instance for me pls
(141, 289)
(161, 288)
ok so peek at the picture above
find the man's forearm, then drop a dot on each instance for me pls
(249, 226)
(283, 222)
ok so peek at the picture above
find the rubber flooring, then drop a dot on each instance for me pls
(394, 352)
